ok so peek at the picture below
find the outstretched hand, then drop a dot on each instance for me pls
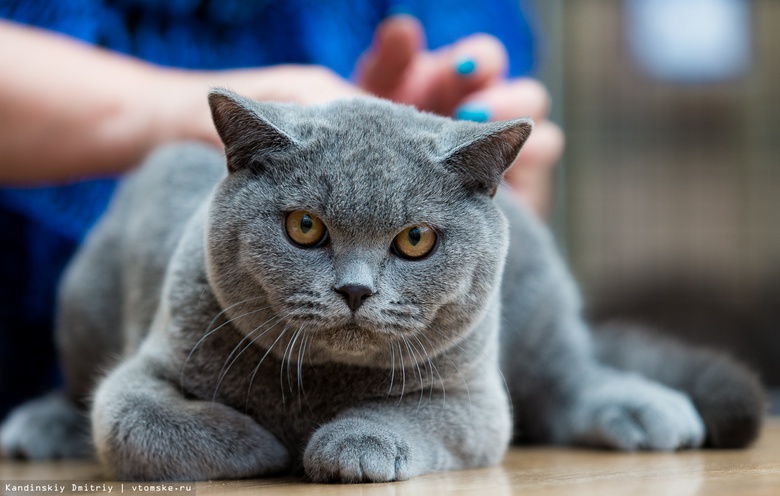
(465, 80)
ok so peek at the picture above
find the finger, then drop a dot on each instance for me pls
(531, 173)
(522, 97)
(471, 64)
(543, 149)
(538, 197)
(397, 40)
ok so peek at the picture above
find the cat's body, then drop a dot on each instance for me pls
(235, 352)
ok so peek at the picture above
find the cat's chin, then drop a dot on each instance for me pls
(352, 344)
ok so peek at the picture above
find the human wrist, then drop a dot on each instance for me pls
(178, 106)
(179, 103)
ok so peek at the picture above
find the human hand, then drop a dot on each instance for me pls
(182, 93)
(465, 80)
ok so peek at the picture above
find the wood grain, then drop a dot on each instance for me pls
(528, 471)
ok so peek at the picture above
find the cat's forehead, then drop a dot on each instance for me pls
(372, 122)
(369, 161)
(369, 185)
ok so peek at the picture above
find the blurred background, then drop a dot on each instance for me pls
(668, 200)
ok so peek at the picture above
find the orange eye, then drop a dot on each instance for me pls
(305, 228)
(414, 242)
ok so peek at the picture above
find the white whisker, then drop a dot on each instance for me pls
(392, 368)
(210, 332)
(413, 357)
(403, 374)
(301, 349)
(225, 370)
(257, 367)
(288, 348)
(431, 369)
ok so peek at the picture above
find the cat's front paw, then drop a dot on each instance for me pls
(357, 450)
(636, 414)
(164, 438)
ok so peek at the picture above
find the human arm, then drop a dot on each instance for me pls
(70, 110)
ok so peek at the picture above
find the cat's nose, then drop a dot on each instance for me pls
(354, 294)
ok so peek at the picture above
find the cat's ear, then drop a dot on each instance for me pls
(483, 152)
(247, 128)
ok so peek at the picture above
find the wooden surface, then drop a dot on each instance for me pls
(526, 471)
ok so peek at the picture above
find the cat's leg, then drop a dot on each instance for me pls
(615, 409)
(391, 440)
(45, 428)
(560, 391)
(145, 429)
(563, 395)
(727, 395)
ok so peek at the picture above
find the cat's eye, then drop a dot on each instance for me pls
(414, 242)
(305, 229)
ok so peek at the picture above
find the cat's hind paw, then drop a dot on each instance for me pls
(635, 414)
(356, 450)
(46, 428)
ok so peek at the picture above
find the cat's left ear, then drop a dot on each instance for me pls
(485, 151)
(248, 129)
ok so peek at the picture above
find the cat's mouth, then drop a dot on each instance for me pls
(324, 315)
(366, 327)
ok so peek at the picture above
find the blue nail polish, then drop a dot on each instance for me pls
(473, 112)
(465, 66)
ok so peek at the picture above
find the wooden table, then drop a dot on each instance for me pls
(525, 471)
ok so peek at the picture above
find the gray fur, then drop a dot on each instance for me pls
(30, 432)
(216, 348)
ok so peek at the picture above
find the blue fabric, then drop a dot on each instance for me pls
(41, 227)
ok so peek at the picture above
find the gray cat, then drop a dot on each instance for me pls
(345, 300)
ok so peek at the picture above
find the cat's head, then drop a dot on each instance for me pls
(357, 224)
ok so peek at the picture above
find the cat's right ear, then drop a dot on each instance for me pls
(246, 128)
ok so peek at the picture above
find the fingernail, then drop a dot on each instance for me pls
(398, 9)
(465, 66)
(476, 112)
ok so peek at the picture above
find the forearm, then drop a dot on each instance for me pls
(70, 110)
